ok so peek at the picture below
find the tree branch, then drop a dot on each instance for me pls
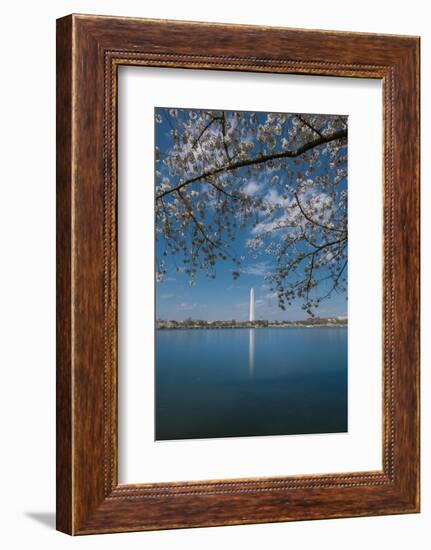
(335, 284)
(310, 274)
(223, 123)
(308, 125)
(235, 197)
(341, 134)
(196, 222)
(214, 119)
(314, 222)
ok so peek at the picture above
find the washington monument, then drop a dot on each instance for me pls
(251, 314)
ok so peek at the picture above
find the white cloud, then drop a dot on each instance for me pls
(274, 198)
(166, 296)
(264, 227)
(185, 306)
(278, 223)
(259, 269)
(251, 188)
(321, 203)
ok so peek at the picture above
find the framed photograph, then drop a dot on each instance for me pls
(237, 274)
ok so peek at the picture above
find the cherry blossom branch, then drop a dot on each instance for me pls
(214, 119)
(311, 220)
(308, 125)
(341, 134)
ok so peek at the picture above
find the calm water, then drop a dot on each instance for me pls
(243, 382)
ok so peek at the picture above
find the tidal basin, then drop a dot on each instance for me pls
(250, 382)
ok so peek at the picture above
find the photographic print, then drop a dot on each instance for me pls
(251, 273)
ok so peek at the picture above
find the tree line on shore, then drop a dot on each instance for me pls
(261, 323)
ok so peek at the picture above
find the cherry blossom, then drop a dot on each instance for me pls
(280, 179)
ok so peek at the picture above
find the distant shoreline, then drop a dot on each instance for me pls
(205, 325)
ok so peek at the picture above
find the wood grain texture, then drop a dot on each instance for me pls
(90, 49)
(64, 497)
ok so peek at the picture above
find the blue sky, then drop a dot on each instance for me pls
(223, 298)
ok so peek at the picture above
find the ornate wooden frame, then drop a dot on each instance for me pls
(89, 51)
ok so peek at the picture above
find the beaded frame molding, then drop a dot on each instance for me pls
(89, 51)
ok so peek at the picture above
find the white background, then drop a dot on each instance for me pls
(27, 276)
(141, 458)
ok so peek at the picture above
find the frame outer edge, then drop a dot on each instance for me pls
(64, 367)
(81, 506)
(407, 273)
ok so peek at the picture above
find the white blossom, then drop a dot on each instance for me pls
(227, 172)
